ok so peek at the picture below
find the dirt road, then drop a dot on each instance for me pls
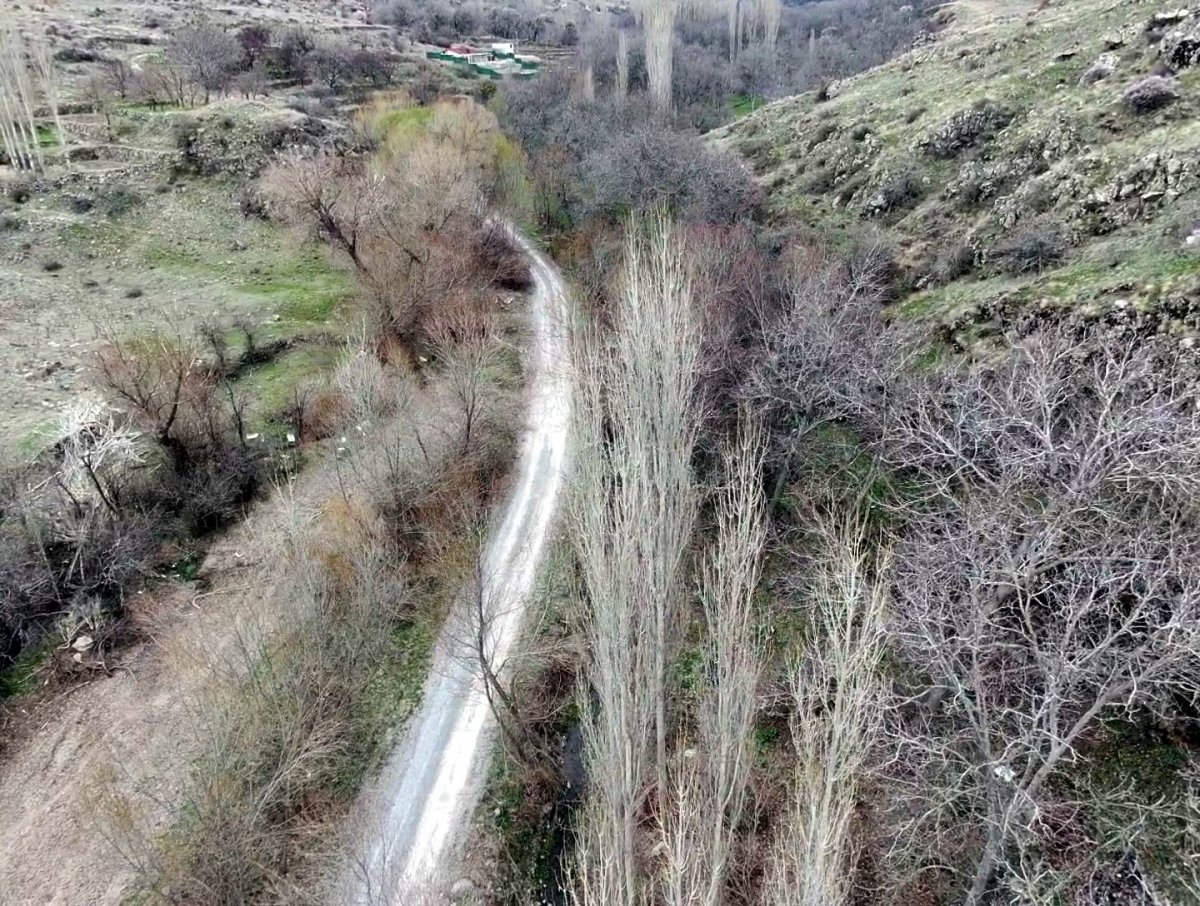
(423, 800)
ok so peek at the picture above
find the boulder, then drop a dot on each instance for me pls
(1170, 17)
(1106, 64)
(1180, 46)
(967, 128)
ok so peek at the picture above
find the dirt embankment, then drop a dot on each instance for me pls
(130, 734)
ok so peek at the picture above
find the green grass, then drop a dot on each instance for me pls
(299, 284)
(20, 678)
(392, 696)
(1140, 272)
(960, 296)
(404, 122)
(1085, 138)
(33, 441)
(304, 289)
(1122, 773)
(273, 385)
(745, 104)
(47, 137)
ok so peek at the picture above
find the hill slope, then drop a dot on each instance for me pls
(1007, 162)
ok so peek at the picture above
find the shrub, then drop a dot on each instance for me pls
(76, 534)
(75, 54)
(19, 192)
(506, 266)
(1040, 196)
(954, 263)
(251, 204)
(185, 133)
(80, 204)
(169, 394)
(901, 191)
(1150, 94)
(214, 493)
(1033, 251)
(118, 202)
(850, 188)
(822, 181)
(652, 166)
(823, 133)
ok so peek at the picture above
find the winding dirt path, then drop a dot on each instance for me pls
(423, 802)
(419, 809)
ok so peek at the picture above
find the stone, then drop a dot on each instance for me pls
(1170, 17)
(1180, 46)
(462, 890)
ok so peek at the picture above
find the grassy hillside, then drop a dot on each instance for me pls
(1009, 165)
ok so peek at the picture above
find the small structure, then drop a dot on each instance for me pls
(474, 56)
(499, 61)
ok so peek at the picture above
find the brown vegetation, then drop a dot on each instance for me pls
(412, 220)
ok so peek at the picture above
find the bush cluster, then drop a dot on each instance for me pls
(1033, 251)
(118, 490)
(1150, 94)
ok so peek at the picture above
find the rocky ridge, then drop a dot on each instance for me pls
(1033, 163)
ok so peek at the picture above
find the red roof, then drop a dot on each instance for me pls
(463, 48)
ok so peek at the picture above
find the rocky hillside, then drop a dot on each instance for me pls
(1027, 158)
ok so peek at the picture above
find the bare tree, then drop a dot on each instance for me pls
(19, 96)
(737, 26)
(333, 62)
(98, 95)
(412, 222)
(337, 197)
(622, 64)
(468, 354)
(209, 55)
(119, 77)
(636, 423)
(771, 15)
(251, 83)
(706, 798)
(658, 18)
(838, 699)
(47, 75)
(824, 358)
(1047, 580)
(476, 633)
(160, 81)
(154, 380)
